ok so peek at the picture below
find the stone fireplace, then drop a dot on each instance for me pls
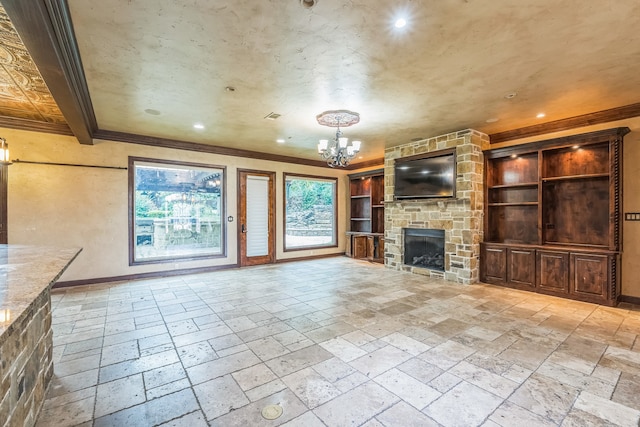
(457, 219)
(424, 247)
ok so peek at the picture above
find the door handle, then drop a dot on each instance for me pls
(244, 229)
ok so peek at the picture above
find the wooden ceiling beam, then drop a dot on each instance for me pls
(47, 32)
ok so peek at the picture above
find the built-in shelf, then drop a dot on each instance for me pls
(514, 204)
(552, 216)
(521, 184)
(565, 178)
(365, 238)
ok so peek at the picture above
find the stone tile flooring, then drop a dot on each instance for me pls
(337, 342)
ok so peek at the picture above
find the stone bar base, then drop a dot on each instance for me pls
(26, 337)
(24, 381)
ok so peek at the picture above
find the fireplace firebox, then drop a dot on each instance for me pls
(424, 248)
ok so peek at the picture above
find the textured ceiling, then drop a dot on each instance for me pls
(23, 93)
(155, 68)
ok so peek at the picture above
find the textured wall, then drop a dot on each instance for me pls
(88, 207)
(461, 218)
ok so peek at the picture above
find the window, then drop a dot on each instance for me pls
(310, 212)
(176, 210)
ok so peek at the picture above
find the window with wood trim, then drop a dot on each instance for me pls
(176, 211)
(310, 212)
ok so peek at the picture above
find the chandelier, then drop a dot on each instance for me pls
(338, 152)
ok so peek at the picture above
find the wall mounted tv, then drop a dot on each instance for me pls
(431, 175)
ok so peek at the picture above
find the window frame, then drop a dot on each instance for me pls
(132, 210)
(334, 181)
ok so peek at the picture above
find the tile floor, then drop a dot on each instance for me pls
(337, 342)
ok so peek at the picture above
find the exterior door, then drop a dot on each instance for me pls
(257, 219)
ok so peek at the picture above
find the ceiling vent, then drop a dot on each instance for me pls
(308, 4)
(272, 116)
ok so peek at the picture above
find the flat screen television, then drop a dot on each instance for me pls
(428, 176)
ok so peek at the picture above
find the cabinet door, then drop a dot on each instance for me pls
(371, 247)
(380, 254)
(493, 264)
(359, 246)
(553, 272)
(589, 275)
(347, 249)
(521, 268)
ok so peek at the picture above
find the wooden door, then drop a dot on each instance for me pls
(256, 217)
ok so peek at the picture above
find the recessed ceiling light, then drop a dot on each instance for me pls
(280, 141)
(400, 22)
(511, 95)
(198, 126)
(230, 89)
(492, 120)
(540, 115)
(152, 112)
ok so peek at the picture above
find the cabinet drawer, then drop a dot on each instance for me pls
(553, 272)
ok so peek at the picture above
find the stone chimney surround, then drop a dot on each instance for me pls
(460, 217)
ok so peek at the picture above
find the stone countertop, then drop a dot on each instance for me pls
(25, 273)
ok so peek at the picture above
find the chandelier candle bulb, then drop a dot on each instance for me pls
(322, 145)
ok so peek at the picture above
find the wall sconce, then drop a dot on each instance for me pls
(4, 152)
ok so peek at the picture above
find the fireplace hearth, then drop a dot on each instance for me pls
(424, 248)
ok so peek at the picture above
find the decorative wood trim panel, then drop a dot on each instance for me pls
(605, 116)
(47, 32)
(35, 126)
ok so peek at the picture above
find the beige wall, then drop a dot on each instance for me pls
(88, 207)
(631, 196)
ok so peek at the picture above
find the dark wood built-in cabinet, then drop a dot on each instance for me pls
(552, 217)
(365, 238)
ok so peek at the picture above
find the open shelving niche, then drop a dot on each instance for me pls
(365, 238)
(552, 216)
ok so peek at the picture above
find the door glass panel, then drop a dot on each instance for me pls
(257, 216)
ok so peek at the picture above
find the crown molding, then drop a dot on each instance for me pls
(604, 116)
(198, 147)
(35, 126)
